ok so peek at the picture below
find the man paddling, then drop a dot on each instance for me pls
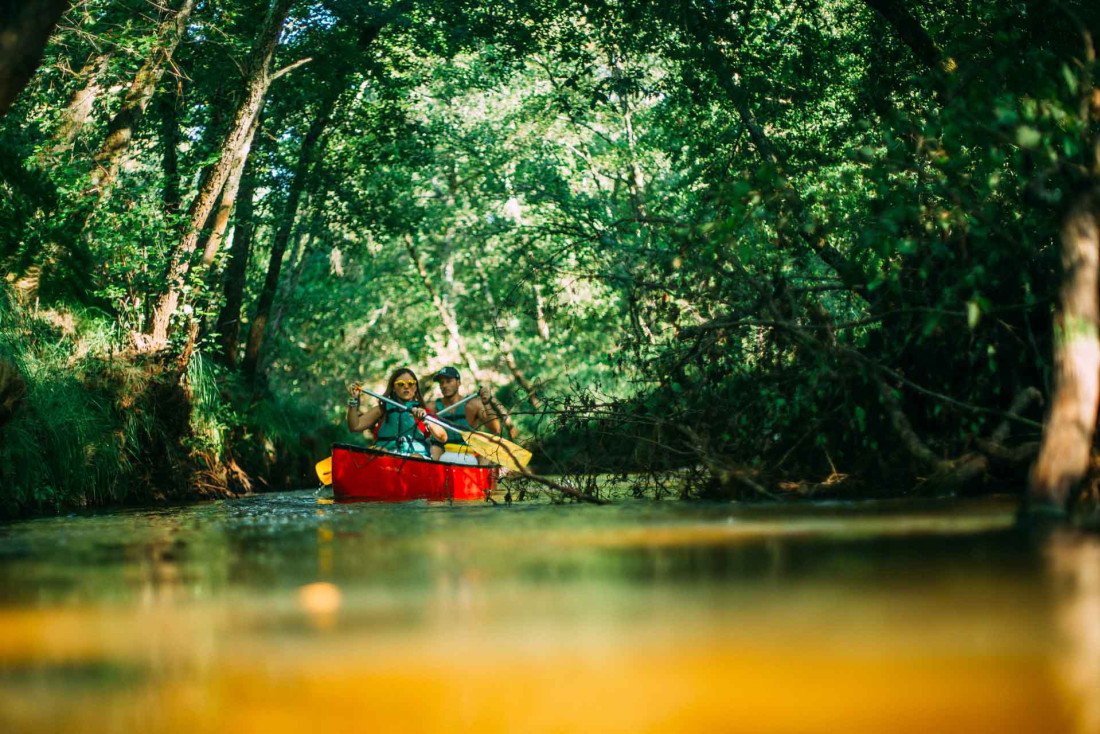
(475, 415)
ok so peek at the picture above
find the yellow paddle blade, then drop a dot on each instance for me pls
(499, 450)
(324, 470)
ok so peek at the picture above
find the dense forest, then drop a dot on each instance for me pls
(746, 250)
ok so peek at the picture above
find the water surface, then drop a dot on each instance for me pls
(288, 612)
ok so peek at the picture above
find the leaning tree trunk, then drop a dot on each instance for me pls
(229, 197)
(307, 245)
(228, 327)
(257, 81)
(216, 225)
(1067, 438)
(120, 130)
(24, 29)
(540, 314)
(440, 295)
(282, 238)
(305, 250)
(254, 347)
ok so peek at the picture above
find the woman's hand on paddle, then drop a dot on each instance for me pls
(355, 388)
(418, 413)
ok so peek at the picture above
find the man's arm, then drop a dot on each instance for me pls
(481, 417)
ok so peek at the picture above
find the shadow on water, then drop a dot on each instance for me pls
(287, 611)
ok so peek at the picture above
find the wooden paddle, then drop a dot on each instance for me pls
(494, 448)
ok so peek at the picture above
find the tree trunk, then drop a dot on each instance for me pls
(304, 253)
(635, 184)
(441, 295)
(307, 244)
(910, 31)
(1067, 438)
(258, 79)
(282, 237)
(518, 376)
(79, 111)
(540, 314)
(170, 139)
(120, 131)
(229, 320)
(220, 222)
(24, 30)
(266, 299)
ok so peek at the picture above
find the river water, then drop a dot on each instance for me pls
(287, 612)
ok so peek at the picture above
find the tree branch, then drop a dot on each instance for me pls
(291, 67)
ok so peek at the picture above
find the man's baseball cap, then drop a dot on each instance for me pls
(447, 372)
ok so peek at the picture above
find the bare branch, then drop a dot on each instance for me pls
(291, 67)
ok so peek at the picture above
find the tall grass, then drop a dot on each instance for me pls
(98, 425)
(212, 414)
(63, 446)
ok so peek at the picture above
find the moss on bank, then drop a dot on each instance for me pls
(86, 423)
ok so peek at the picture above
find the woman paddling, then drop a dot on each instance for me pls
(399, 431)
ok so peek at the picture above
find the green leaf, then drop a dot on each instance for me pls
(1071, 79)
(973, 314)
(1028, 137)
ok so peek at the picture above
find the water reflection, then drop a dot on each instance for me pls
(283, 613)
(1075, 570)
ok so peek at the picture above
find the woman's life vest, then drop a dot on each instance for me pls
(456, 418)
(399, 432)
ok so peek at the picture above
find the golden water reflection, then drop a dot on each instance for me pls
(271, 617)
(1075, 571)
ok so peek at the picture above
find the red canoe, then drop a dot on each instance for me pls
(367, 474)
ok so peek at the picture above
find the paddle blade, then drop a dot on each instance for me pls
(499, 450)
(324, 470)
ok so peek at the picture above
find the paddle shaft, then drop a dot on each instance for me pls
(462, 402)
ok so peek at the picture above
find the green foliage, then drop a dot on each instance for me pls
(701, 236)
(69, 441)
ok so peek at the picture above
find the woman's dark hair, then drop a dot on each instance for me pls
(391, 392)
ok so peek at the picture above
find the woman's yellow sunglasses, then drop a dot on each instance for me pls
(404, 383)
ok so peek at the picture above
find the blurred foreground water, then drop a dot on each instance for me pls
(288, 613)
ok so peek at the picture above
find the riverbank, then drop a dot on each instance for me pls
(86, 423)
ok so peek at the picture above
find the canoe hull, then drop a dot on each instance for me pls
(367, 474)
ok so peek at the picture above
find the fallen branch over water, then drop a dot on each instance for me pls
(564, 489)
